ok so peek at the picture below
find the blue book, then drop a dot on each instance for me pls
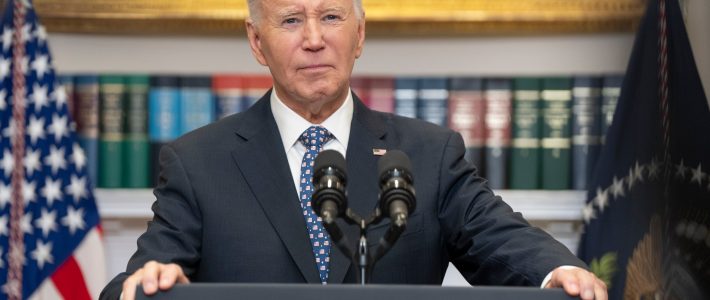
(163, 117)
(228, 92)
(432, 103)
(499, 109)
(255, 87)
(405, 97)
(586, 126)
(87, 120)
(196, 103)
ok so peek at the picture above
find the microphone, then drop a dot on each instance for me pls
(397, 197)
(329, 180)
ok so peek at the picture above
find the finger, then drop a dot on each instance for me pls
(600, 291)
(567, 280)
(151, 273)
(169, 275)
(129, 285)
(586, 284)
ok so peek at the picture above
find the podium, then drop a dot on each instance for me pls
(218, 291)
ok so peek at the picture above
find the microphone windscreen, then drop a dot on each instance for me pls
(393, 159)
(329, 158)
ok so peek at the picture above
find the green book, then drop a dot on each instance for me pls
(527, 133)
(556, 133)
(111, 116)
(136, 148)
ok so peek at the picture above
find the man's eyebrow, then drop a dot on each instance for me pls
(287, 11)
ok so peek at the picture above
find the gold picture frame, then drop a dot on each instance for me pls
(384, 17)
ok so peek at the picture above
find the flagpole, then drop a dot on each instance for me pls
(663, 89)
(16, 253)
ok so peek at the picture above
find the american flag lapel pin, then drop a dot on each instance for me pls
(378, 151)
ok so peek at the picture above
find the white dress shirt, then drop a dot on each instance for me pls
(291, 126)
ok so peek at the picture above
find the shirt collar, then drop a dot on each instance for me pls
(291, 125)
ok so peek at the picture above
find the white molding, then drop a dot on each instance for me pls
(533, 204)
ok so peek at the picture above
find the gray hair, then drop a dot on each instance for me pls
(254, 11)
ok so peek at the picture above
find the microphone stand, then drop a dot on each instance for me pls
(362, 258)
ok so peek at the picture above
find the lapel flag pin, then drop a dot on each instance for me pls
(378, 152)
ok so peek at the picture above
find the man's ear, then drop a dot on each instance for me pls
(360, 36)
(255, 41)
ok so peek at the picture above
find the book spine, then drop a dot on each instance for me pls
(525, 150)
(197, 103)
(382, 94)
(405, 97)
(136, 148)
(87, 121)
(228, 92)
(432, 103)
(611, 90)
(556, 144)
(163, 118)
(499, 105)
(586, 125)
(467, 109)
(111, 102)
(256, 87)
(360, 85)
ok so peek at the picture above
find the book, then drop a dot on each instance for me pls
(255, 88)
(432, 100)
(527, 133)
(136, 148)
(611, 90)
(467, 111)
(556, 133)
(163, 117)
(86, 91)
(405, 96)
(228, 92)
(586, 127)
(499, 105)
(382, 94)
(111, 102)
(196, 103)
(360, 85)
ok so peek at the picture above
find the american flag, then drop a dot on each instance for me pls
(648, 213)
(50, 239)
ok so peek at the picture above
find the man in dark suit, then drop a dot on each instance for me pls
(233, 201)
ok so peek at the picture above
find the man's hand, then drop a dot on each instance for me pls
(153, 276)
(578, 282)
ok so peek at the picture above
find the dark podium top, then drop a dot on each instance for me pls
(218, 291)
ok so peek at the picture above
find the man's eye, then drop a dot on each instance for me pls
(290, 21)
(332, 17)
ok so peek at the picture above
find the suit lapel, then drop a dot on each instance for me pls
(261, 159)
(367, 131)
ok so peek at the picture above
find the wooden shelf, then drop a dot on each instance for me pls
(533, 204)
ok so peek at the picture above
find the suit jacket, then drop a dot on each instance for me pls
(227, 209)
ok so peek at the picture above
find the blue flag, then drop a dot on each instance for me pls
(647, 219)
(49, 223)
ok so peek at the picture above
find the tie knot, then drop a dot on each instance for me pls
(315, 136)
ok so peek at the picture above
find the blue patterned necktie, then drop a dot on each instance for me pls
(314, 138)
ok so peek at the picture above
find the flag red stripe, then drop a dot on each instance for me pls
(70, 281)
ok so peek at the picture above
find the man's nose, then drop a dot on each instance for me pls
(313, 36)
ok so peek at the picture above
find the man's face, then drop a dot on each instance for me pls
(310, 47)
